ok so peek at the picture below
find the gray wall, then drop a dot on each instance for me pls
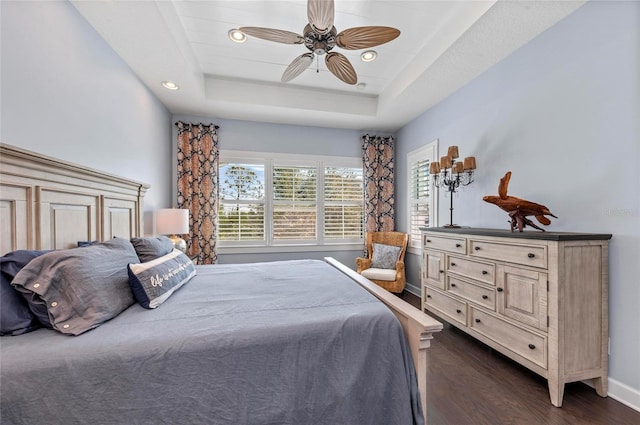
(562, 113)
(280, 138)
(67, 94)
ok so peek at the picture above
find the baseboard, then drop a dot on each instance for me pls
(620, 392)
(624, 394)
(415, 290)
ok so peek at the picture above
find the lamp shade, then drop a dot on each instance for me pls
(172, 221)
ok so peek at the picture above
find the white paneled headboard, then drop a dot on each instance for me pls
(46, 203)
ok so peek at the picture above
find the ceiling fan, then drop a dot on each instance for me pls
(320, 37)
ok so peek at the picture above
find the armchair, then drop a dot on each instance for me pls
(391, 279)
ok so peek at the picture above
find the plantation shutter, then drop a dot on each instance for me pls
(241, 212)
(294, 202)
(420, 199)
(343, 203)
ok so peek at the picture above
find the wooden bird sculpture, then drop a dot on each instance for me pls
(517, 208)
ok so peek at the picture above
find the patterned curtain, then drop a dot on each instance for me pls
(198, 187)
(377, 156)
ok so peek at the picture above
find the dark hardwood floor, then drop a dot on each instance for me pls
(470, 383)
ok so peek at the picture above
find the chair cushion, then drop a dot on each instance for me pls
(379, 274)
(385, 256)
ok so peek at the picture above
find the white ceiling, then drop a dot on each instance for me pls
(442, 46)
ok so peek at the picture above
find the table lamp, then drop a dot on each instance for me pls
(173, 222)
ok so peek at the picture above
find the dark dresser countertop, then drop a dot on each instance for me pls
(532, 234)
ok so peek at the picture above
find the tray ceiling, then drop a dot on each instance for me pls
(442, 46)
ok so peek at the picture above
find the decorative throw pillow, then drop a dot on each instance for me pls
(15, 316)
(153, 282)
(80, 287)
(385, 256)
(150, 248)
(86, 243)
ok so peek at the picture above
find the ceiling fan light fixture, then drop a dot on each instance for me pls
(369, 56)
(320, 37)
(170, 85)
(237, 36)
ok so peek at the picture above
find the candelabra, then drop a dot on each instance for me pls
(451, 174)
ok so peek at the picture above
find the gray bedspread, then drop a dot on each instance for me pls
(290, 342)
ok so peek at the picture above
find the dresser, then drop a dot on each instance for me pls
(540, 298)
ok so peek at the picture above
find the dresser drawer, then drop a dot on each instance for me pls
(449, 244)
(483, 272)
(449, 306)
(528, 255)
(527, 344)
(474, 293)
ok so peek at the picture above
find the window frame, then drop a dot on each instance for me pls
(428, 152)
(288, 162)
(253, 161)
(269, 245)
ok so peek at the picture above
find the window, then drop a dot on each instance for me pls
(343, 203)
(274, 200)
(241, 210)
(423, 205)
(294, 202)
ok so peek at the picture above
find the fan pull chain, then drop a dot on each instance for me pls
(317, 64)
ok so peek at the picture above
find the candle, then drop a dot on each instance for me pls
(445, 162)
(458, 167)
(452, 152)
(434, 168)
(470, 163)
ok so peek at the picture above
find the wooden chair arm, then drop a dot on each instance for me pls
(362, 264)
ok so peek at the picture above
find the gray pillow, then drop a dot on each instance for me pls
(152, 247)
(385, 256)
(80, 287)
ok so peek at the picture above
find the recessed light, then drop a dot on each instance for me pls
(361, 86)
(237, 36)
(368, 56)
(170, 85)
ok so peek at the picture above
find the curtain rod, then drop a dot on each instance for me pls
(215, 126)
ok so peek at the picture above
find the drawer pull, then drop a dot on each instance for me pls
(458, 311)
(531, 255)
(485, 272)
(533, 347)
(428, 240)
(428, 296)
(477, 320)
(499, 289)
(484, 297)
(453, 285)
(453, 264)
(441, 271)
(458, 245)
(477, 248)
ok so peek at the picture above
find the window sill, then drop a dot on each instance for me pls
(289, 248)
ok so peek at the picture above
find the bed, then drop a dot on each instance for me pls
(297, 342)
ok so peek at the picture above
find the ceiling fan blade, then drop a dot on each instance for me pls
(320, 14)
(364, 37)
(270, 34)
(340, 66)
(296, 67)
